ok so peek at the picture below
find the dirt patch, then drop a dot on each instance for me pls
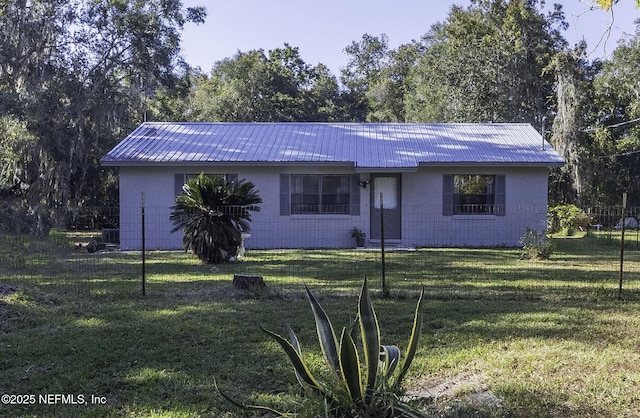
(466, 390)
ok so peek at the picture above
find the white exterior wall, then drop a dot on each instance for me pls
(422, 219)
(424, 224)
(268, 228)
(157, 184)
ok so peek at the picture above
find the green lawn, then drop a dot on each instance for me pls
(546, 338)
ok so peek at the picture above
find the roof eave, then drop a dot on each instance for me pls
(132, 163)
(360, 169)
(549, 164)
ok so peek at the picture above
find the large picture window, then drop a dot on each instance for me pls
(473, 194)
(311, 194)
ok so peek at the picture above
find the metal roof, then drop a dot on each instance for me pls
(363, 145)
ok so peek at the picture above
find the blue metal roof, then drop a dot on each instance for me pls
(363, 145)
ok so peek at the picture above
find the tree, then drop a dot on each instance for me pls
(616, 138)
(364, 71)
(267, 87)
(75, 74)
(573, 97)
(390, 94)
(324, 99)
(485, 64)
(213, 212)
(608, 4)
(175, 103)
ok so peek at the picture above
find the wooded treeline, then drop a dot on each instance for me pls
(77, 75)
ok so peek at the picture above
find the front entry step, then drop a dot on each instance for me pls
(389, 245)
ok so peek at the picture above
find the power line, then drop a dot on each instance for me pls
(622, 154)
(614, 125)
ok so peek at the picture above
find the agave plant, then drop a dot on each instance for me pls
(213, 212)
(367, 387)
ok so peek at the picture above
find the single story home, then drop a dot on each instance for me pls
(434, 184)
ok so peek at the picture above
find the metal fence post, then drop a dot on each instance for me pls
(144, 263)
(624, 207)
(385, 291)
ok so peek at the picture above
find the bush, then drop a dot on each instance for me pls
(567, 219)
(368, 388)
(535, 245)
(213, 212)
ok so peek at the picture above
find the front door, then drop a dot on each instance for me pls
(386, 196)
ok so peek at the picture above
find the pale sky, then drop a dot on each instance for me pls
(322, 29)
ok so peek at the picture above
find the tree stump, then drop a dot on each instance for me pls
(248, 281)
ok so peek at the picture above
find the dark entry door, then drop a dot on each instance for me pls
(388, 187)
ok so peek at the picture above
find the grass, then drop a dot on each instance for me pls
(548, 338)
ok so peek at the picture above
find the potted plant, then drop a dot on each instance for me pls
(359, 235)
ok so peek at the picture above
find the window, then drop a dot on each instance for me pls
(311, 194)
(474, 194)
(188, 176)
(180, 179)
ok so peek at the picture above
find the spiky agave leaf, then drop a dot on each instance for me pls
(370, 339)
(297, 361)
(249, 407)
(378, 397)
(296, 346)
(350, 367)
(414, 339)
(389, 359)
(407, 411)
(326, 334)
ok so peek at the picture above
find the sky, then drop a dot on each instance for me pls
(322, 29)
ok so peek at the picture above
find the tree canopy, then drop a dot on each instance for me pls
(265, 87)
(616, 134)
(77, 75)
(608, 4)
(73, 77)
(486, 64)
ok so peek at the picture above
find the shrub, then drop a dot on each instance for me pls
(567, 219)
(213, 212)
(368, 388)
(535, 245)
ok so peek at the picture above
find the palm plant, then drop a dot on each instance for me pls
(213, 212)
(356, 388)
